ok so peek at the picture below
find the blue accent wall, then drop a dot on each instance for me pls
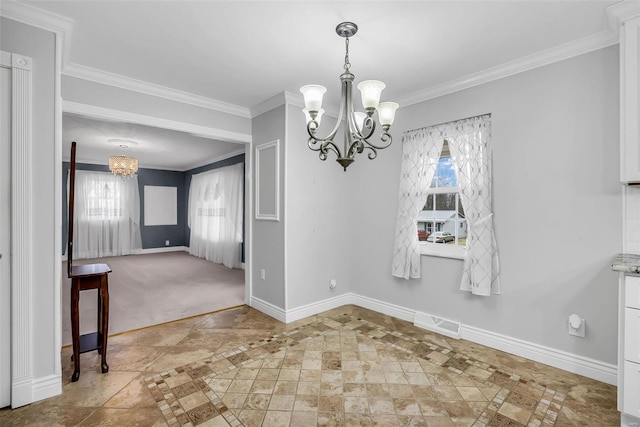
(156, 235)
(152, 236)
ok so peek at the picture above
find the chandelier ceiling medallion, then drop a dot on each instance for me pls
(359, 126)
(122, 165)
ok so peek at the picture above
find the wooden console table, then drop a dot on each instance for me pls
(85, 277)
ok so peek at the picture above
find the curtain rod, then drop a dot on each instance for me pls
(446, 123)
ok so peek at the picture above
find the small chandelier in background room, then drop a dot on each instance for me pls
(122, 165)
(359, 127)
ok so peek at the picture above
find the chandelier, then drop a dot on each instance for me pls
(359, 126)
(122, 165)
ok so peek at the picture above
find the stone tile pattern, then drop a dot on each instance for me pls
(345, 370)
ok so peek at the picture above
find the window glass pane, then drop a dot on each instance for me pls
(462, 233)
(445, 175)
(429, 205)
(446, 202)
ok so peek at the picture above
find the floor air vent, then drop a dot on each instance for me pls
(437, 324)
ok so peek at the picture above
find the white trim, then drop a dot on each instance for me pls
(147, 251)
(383, 307)
(161, 250)
(248, 224)
(124, 116)
(46, 387)
(569, 362)
(216, 159)
(57, 213)
(318, 307)
(21, 232)
(285, 197)
(268, 309)
(268, 216)
(288, 98)
(622, 11)
(443, 250)
(117, 80)
(559, 53)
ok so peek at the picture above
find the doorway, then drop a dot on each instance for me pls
(150, 141)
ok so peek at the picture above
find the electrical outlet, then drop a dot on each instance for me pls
(577, 326)
(166, 243)
(332, 284)
(263, 274)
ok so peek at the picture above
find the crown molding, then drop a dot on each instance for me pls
(64, 26)
(40, 18)
(35, 17)
(622, 11)
(128, 83)
(568, 50)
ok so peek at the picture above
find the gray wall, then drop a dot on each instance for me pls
(40, 46)
(557, 205)
(269, 236)
(319, 217)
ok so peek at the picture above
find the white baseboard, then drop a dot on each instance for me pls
(29, 390)
(46, 387)
(570, 362)
(319, 307)
(383, 307)
(150, 251)
(21, 392)
(269, 309)
(160, 250)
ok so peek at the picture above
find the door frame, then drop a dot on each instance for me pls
(21, 228)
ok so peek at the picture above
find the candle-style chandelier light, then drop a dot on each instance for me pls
(359, 126)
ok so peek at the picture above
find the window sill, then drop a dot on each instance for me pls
(443, 250)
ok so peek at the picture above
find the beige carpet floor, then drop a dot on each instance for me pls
(149, 289)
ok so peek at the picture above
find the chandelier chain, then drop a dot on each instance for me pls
(347, 64)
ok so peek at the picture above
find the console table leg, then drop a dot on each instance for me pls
(104, 321)
(75, 330)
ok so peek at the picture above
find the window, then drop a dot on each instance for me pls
(442, 220)
(103, 200)
(424, 151)
(107, 217)
(215, 215)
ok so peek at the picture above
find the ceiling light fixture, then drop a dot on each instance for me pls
(122, 165)
(359, 126)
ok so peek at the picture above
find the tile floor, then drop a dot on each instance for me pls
(345, 367)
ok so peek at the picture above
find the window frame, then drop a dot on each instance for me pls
(444, 250)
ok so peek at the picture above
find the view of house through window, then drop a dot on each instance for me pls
(442, 219)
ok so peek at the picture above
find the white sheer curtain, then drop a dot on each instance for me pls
(106, 215)
(469, 143)
(215, 215)
(471, 153)
(420, 153)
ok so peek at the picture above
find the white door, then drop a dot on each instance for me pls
(5, 244)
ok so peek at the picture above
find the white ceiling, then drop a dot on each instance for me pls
(154, 148)
(244, 52)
